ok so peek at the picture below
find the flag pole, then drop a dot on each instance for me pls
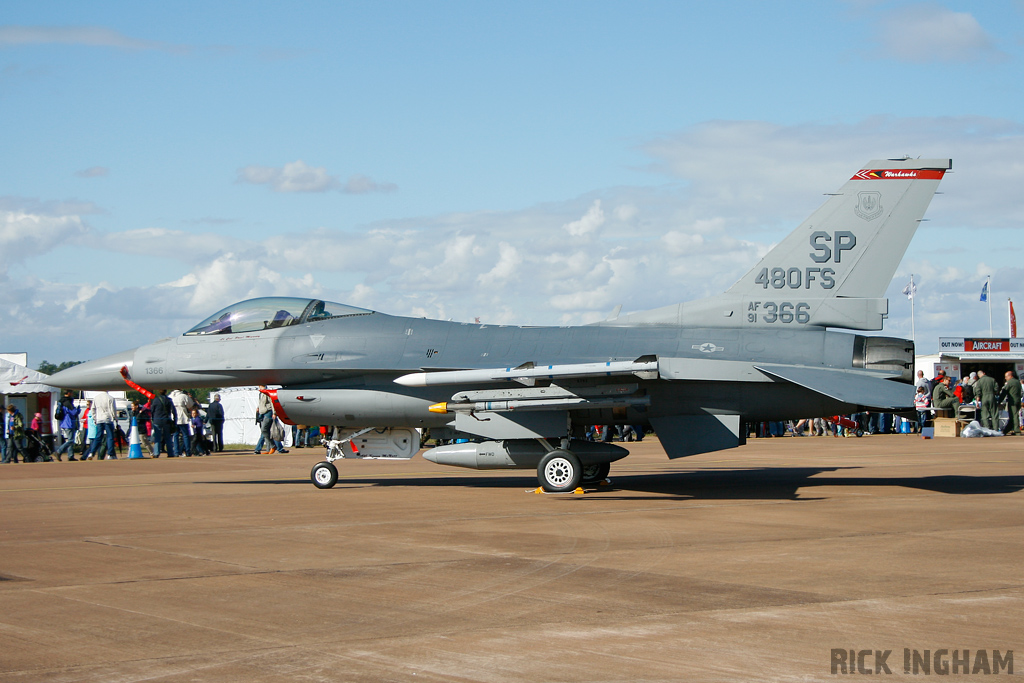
(910, 290)
(913, 332)
(989, 305)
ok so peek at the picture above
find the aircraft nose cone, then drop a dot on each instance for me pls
(95, 375)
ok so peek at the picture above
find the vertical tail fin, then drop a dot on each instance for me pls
(852, 245)
(833, 270)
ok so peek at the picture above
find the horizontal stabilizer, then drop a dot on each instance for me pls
(847, 386)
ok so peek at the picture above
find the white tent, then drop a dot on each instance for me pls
(27, 389)
(17, 379)
(240, 416)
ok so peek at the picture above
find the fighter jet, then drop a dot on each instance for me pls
(510, 397)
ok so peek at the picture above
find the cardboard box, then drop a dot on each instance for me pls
(946, 426)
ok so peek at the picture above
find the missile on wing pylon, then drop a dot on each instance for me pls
(549, 404)
(529, 373)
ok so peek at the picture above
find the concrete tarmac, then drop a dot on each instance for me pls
(749, 564)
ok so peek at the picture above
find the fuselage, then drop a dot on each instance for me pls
(342, 368)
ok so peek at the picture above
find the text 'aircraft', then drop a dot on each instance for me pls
(521, 397)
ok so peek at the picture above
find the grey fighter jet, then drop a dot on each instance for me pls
(521, 397)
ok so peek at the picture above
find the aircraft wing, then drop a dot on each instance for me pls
(853, 387)
(847, 386)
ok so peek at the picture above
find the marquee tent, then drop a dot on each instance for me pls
(28, 390)
(240, 416)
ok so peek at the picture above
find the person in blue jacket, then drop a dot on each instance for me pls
(68, 414)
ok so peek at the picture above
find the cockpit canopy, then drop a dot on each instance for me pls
(268, 313)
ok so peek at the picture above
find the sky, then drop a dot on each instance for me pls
(536, 163)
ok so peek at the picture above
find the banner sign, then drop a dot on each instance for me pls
(980, 345)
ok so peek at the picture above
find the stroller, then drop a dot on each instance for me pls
(36, 447)
(852, 426)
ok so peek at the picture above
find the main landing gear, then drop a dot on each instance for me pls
(560, 471)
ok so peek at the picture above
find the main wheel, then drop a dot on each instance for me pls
(859, 433)
(560, 471)
(324, 475)
(595, 473)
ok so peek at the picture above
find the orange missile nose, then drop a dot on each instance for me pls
(439, 408)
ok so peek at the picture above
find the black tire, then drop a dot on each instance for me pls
(324, 475)
(859, 432)
(592, 474)
(559, 472)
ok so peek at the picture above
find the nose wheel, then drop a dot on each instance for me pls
(324, 475)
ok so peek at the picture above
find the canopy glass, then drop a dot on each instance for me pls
(268, 313)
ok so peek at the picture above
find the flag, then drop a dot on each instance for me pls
(1013, 321)
(910, 290)
(984, 292)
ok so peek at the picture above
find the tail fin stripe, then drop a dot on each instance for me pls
(899, 174)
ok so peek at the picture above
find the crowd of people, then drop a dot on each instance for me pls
(170, 423)
(92, 430)
(20, 440)
(977, 395)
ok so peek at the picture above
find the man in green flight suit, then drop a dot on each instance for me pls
(986, 390)
(14, 433)
(943, 398)
(1012, 393)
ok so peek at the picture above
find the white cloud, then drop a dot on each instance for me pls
(360, 184)
(230, 278)
(93, 172)
(189, 247)
(682, 243)
(928, 32)
(298, 176)
(591, 221)
(91, 36)
(626, 212)
(510, 260)
(52, 208)
(25, 234)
